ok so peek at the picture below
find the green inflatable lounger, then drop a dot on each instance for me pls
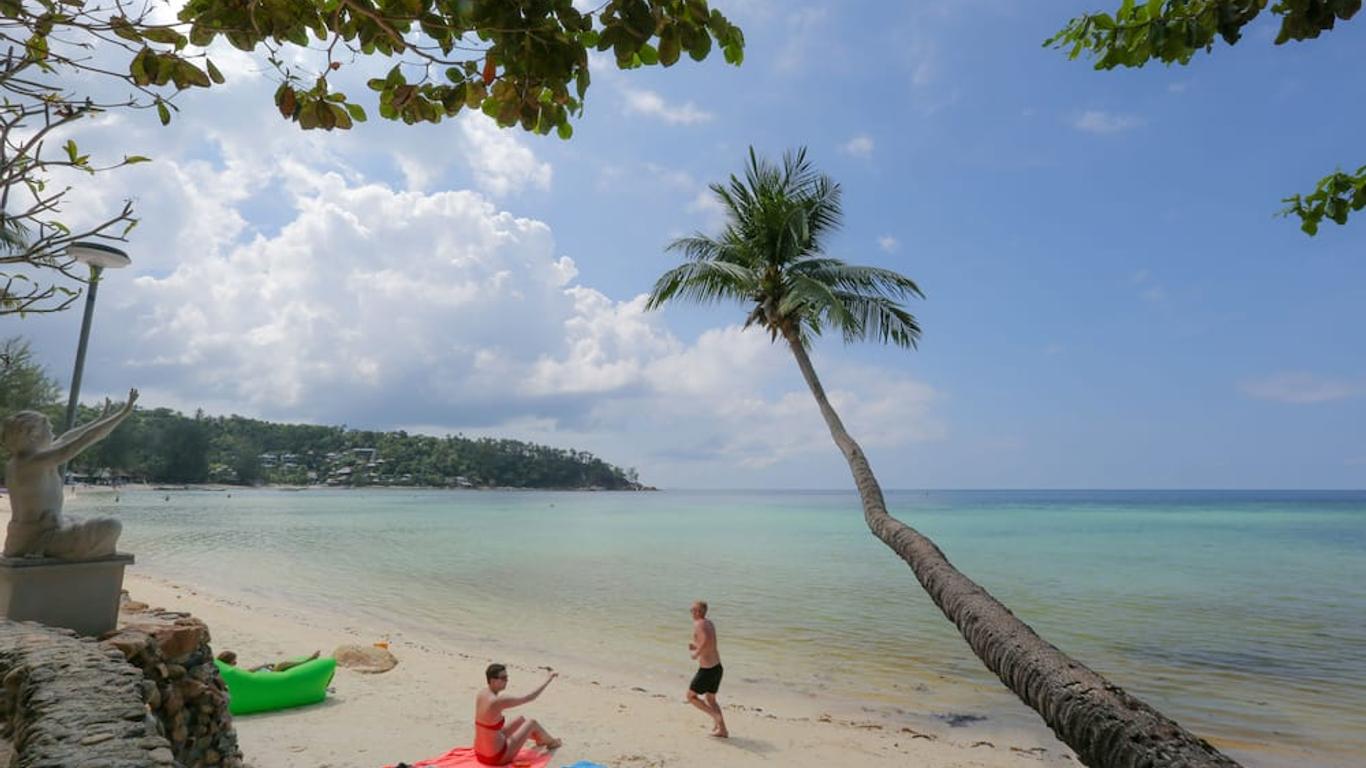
(266, 690)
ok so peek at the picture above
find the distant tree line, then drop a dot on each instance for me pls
(164, 446)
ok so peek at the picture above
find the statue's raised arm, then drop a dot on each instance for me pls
(33, 474)
(71, 443)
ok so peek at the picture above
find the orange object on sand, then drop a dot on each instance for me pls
(383, 644)
(463, 757)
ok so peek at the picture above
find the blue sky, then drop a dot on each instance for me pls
(1111, 300)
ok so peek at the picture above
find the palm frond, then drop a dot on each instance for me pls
(852, 277)
(814, 302)
(770, 255)
(879, 319)
(704, 282)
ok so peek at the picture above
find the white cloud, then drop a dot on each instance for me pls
(859, 146)
(709, 207)
(1299, 388)
(803, 35)
(419, 173)
(501, 163)
(1096, 121)
(276, 276)
(672, 176)
(651, 104)
(888, 243)
(382, 307)
(924, 62)
(1150, 289)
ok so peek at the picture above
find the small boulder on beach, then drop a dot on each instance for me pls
(365, 658)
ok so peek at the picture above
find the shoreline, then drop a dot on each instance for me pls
(74, 490)
(422, 707)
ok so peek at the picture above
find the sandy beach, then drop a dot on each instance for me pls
(423, 707)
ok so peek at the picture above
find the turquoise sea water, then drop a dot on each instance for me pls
(1241, 614)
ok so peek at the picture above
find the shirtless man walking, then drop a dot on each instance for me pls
(702, 690)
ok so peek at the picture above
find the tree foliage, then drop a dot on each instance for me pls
(771, 257)
(164, 446)
(24, 385)
(1172, 31)
(521, 62)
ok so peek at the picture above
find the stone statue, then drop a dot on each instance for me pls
(36, 527)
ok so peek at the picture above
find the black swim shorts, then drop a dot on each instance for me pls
(707, 680)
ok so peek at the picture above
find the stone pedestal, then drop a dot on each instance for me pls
(83, 595)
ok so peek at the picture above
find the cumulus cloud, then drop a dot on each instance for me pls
(501, 163)
(385, 307)
(888, 244)
(1098, 122)
(1300, 388)
(330, 279)
(651, 104)
(859, 146)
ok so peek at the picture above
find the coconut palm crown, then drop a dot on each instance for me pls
(771, 256)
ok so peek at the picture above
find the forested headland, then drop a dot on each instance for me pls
(160, 445)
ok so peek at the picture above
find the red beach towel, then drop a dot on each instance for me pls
(463, 757)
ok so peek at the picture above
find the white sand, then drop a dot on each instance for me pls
(425, 706)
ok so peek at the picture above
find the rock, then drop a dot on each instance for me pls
(96, 738)
(129, 641)
(365, 658)
(180, 639)
(191, 689)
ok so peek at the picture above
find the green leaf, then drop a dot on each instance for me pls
(134, 159)
(565, 130)
(163, 112)
(71, 151)
(669, 47)
(191, 75)
(123, 29)
(163, 35)
(648, 55)
(214, 74)
(37, 47)
(201, 35)
(356, 111)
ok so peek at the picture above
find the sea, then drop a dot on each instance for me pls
(1241, 614)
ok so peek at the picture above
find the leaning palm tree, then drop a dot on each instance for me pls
(771, 258)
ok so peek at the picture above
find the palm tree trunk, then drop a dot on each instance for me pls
(1103, 724)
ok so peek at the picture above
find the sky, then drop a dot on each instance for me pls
(1111, 300)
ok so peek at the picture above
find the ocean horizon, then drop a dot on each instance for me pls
(1241, 614)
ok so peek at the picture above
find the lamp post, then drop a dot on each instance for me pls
(98, 257)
